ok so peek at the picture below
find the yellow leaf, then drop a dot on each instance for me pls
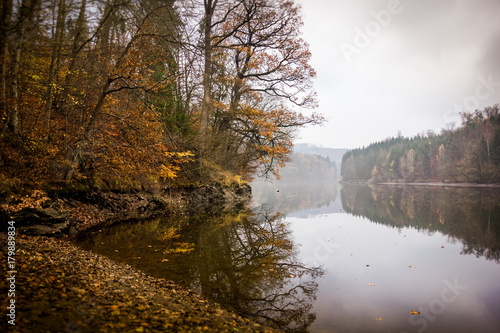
(412, 312)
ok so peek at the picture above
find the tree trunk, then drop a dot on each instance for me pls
(207, 72)
(14, 116)
(55, 62)
(5, 22)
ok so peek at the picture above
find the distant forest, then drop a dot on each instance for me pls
(306, 167)
(334, 154)
(470, 153)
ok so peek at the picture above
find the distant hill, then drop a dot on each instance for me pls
(467, 154)
(334, 154)
(308, 183)
(309, 168)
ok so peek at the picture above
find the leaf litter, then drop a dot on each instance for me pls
(61, 288)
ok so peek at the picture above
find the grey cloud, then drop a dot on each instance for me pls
(490, 62)
(425, 61)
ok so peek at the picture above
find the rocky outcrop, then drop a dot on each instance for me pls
(69, 215)
(41, 221)
(218, 198)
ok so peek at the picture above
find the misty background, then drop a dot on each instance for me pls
(423, 64)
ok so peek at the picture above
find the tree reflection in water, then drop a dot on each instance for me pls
(250, 264)
(243, 260)
(466, 214)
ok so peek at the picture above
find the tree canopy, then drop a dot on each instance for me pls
(129, 93)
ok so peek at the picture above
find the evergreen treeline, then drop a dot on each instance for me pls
(470, 153)
(138, 93)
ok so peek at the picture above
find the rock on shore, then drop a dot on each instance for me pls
(69, 214)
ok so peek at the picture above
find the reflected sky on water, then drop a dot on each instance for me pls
(376, 275)
(404, 260)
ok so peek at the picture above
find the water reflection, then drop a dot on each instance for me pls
(243, 260)
(397, 261)
(398, 250)
(467, 215)
(302, 199)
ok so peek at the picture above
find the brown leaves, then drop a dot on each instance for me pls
(85, 291)
(33, 200)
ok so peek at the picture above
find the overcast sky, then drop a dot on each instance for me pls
(408, 65)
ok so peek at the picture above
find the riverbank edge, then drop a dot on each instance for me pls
(58, 287)
(430, 184)
(46, 258)
(69, 214)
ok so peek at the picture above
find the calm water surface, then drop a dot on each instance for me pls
(315, 258)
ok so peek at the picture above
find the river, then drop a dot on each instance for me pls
(314, 257)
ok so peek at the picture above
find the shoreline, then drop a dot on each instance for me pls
(62, 288)
(61, 215)
(433, 184)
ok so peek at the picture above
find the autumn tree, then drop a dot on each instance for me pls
(259, 69)
(112, 93)
(83, 94)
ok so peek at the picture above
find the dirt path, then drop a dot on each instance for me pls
(61, 288)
